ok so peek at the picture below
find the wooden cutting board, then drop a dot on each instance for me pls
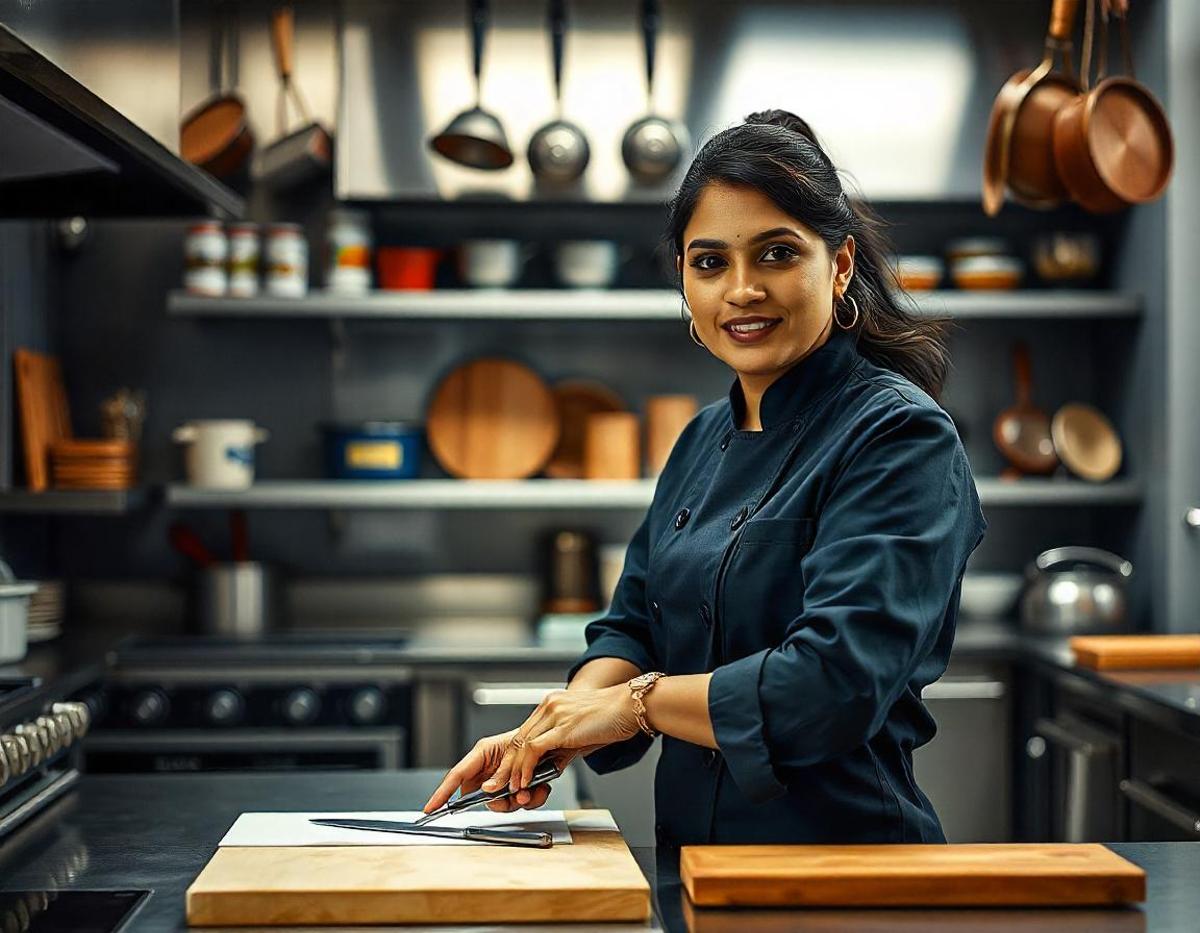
(1003, 874)
(1114, 652)
(45, 417)
(492, 419)
(593, 879)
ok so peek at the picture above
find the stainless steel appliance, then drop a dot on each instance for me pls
(1084, 760)
(39, 749)
(283, 702)
(1071, 590)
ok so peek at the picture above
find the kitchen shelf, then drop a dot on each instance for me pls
(621, 304)
(72, 501)
(570, 494)
(69, 152)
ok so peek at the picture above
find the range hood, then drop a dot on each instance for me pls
(64, 151)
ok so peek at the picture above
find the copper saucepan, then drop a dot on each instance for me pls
(1018, 151)
(1112, 145)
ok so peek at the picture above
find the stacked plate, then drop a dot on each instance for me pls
(45, 611)
(93, 464)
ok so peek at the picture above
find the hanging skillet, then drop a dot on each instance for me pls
(475, 138)
(1113, 145)
(216, 134)
(305, 153)
(558, 151)
(652, 146)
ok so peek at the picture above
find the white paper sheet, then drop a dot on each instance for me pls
(294, 829)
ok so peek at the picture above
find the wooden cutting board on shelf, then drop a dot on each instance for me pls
(977, 875)
(1144, 652)
(45, 418)
(593, 879)
(492, 419)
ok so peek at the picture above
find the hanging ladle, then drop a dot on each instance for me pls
(558, 151)
(652, 146)
(475, 137)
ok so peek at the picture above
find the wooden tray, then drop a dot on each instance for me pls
(1114, 652)
(45, 417)
(1007, 874)
(593, 879)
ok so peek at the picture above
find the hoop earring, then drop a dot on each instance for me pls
(854, 305)
(692, 330)
(682, 315)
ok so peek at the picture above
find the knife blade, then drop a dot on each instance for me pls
(512, 837)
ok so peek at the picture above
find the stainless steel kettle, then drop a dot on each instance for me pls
(1073, 590)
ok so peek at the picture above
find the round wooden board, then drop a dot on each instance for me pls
(492, 419)
(576, 399)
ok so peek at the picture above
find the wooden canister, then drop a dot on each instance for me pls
(611, 448)
(666, 417)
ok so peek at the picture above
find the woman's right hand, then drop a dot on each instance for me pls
(479, 764)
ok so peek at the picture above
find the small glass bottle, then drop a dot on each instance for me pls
(243, 259)
(287, 260)
(204, 252)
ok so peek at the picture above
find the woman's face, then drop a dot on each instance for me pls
(761, 285)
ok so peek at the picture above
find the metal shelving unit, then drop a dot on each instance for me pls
(72, 501)
(623, 304)
(574, 494)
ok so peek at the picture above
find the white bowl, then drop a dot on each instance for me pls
(990, 595)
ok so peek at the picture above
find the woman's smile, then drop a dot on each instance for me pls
(751, 329)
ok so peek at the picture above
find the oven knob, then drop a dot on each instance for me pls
(16, 751)
(50, 735)
(77, 714)
(224, 708)
(150, 707)
(66, 728)
(301, 706)
(33, 742)
(367, 705)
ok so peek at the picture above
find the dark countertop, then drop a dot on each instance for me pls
(158, 831)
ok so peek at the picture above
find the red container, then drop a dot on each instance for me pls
(407, 268)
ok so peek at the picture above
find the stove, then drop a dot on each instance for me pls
(279, 702)
(39, 749)
(57, 911)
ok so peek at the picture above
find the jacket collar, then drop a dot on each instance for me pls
(789, 395)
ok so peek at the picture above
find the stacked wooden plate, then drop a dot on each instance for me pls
(93, 464)
(45, 611)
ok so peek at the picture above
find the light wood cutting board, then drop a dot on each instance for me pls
(1116, 652)
(593, 879)
(492, 419)
(1002, 874)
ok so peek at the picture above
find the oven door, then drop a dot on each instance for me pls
(188, 750)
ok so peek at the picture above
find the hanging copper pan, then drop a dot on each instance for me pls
(1018, 152)
(1113, 145)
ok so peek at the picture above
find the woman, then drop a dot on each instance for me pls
(797, 576)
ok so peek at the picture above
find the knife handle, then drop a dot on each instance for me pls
(547, 770)
(512, 837)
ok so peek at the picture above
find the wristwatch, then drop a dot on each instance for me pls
(639, 686)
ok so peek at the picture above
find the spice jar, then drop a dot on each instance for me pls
(349, 252)
(243, 259)
(287, 260)
(204, 252)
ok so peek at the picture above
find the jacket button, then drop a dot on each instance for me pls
(705, 615)
(725, 442)
(738, 519)
(657, 611)
(711, 757)
(681, 518)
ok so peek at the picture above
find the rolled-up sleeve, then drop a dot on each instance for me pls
(624, 632)
(891, 544)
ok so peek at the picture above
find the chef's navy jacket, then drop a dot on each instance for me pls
(814, 567)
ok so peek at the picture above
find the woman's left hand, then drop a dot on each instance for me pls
(580, 720)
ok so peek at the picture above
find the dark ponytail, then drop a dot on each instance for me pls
(776, 153)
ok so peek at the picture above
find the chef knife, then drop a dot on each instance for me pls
(547, 770)
(512, 837)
